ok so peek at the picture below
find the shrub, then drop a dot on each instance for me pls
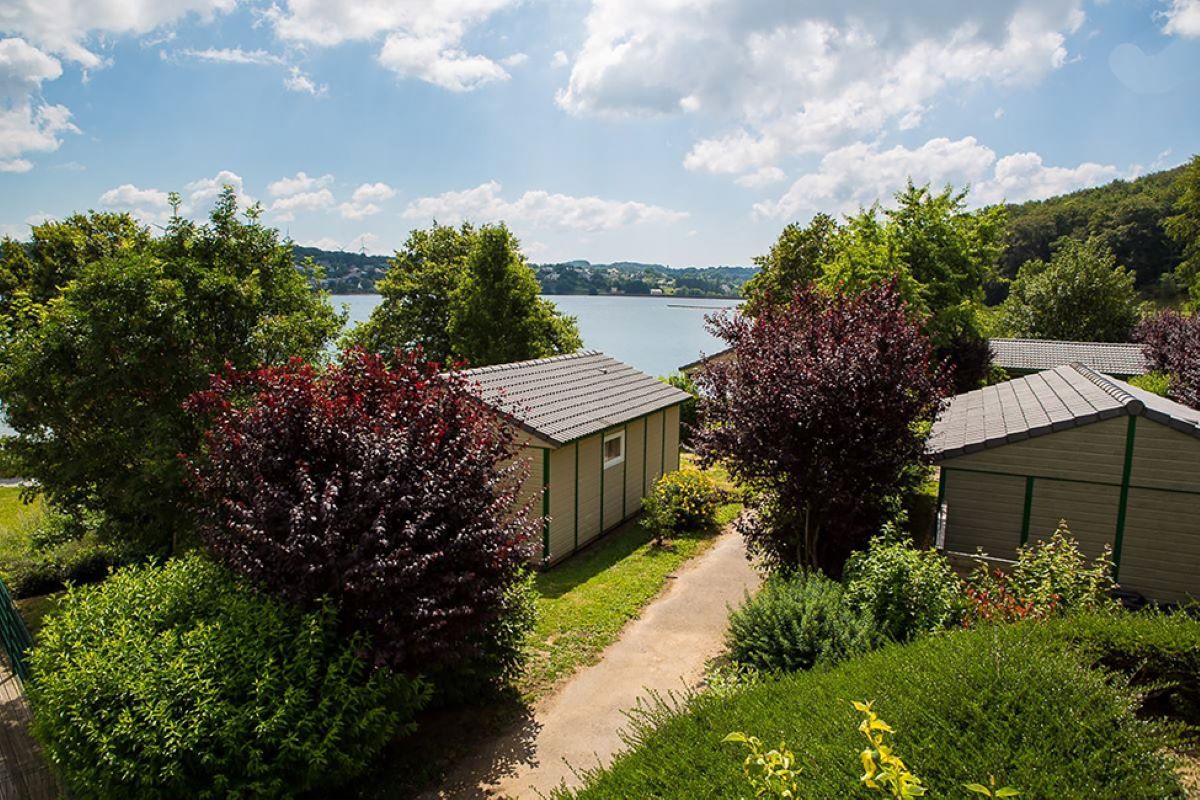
(904, 591)
(61, 549)
(1158, 383)
(178, 681)
(682, 501)
(1010, 701)
(1171, 344)
(387, 487)
(796, 623)
(689, 417)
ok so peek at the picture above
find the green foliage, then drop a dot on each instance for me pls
(681, 502)
(883, 770)
(1054, 572)
(176, 681)
(54, 549)
(903, 590)
(1184, 228)
(464, 294)
(106, 331)
(796, 259)
(1014, 701)
(770, 773)
(796, 623)
(1157, 382)
(689, 412)
(1081, 294)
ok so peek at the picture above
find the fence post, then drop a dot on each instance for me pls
(14, 636)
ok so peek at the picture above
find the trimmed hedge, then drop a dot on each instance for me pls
(1009, 701)
(178, 681)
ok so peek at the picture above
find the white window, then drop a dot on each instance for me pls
(614, 449)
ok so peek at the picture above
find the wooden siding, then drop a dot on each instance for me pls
(654, 449)
(589, 489)
(1161, 552)
(672, 438)
(1089, 509)
(562, 501)
(635, 434)
(1164, 458)
(1092, 452)
(983, 511)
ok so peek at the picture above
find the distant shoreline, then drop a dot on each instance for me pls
(680, 298)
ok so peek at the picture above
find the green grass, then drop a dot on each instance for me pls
(585, 602)
(1009, 701)
(16, 518)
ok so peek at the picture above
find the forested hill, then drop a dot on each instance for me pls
(1126, 215)
(356, 273)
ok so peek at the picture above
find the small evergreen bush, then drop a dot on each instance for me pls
(904, 591)
(796, 623)
(178, 681)
(684, 501)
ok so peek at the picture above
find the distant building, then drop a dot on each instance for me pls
(656, 291)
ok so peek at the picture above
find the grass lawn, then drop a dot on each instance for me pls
(15, 518)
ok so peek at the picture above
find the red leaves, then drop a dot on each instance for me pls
(382, 486)
(825, 404)
(1171, 344)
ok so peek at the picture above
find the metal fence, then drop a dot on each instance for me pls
(14, 636)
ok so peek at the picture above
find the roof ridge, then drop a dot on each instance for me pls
(530, 362)
(1132, 404)
(1063, 341)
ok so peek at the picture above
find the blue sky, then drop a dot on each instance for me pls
(685, 133)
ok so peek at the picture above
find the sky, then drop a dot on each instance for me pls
(682, 132)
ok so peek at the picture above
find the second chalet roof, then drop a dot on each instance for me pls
(565, 398)
(1045, 402)
(1028, 355)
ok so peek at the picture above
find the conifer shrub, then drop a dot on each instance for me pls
(181, 681)
(798, 622)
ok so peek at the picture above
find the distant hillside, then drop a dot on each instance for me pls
(1127, 215)
(356, 273)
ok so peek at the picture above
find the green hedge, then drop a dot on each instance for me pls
(1009, 701)
(178, 681)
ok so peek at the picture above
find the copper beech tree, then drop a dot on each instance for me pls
(824, 409)
(386, 487)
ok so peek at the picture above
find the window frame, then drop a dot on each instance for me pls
(615, 461)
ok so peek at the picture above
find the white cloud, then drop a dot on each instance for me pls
(368, 192)
(761, 177)
(789, 78)
(38, 217)
(358, 210)
(297, 81)
(860, 174)
(233, 55)
(538, 209)
(284, 209)
(129, 196)
(998, 113)
(300, 182)
(559, 59)
(70, 28)
(28, 124)
(515, 60)
(1182, 18)
(206, 190)
(325, 243)
(422, 39)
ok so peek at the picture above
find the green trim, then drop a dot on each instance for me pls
(577, 495)
(645, 451)
(1028, 510)
(1119, 539)
(624, 469)
(941, 488)
(662, 464)
(1072, 480)
(545, 505)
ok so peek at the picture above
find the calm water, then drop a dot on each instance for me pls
(654, 334)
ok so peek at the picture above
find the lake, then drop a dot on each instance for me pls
(653, 334)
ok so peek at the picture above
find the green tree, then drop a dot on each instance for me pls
(496, 314)
(110, 329)
(795, 260)
(417, 291)
(1184, 228)
(1080, 294)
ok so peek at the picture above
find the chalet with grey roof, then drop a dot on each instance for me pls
(1120, 464)
(598, 434)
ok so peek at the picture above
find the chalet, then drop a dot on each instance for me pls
(1120, 464)
(597, 434)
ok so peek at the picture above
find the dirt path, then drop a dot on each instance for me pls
(578, 727)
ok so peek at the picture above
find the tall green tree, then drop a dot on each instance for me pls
(108, 331)
(496, 315)
(796, 259)
(1080, 294)
(417, 291)
(1184, 228)
(465, 293)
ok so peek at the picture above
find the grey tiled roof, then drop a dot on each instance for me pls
(1028, 355)
(565, 398)
(1048, 401)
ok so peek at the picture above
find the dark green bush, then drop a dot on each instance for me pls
(61, 549)
(177, 681)
(904, 591)
(1009, 701)
(796, 623)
